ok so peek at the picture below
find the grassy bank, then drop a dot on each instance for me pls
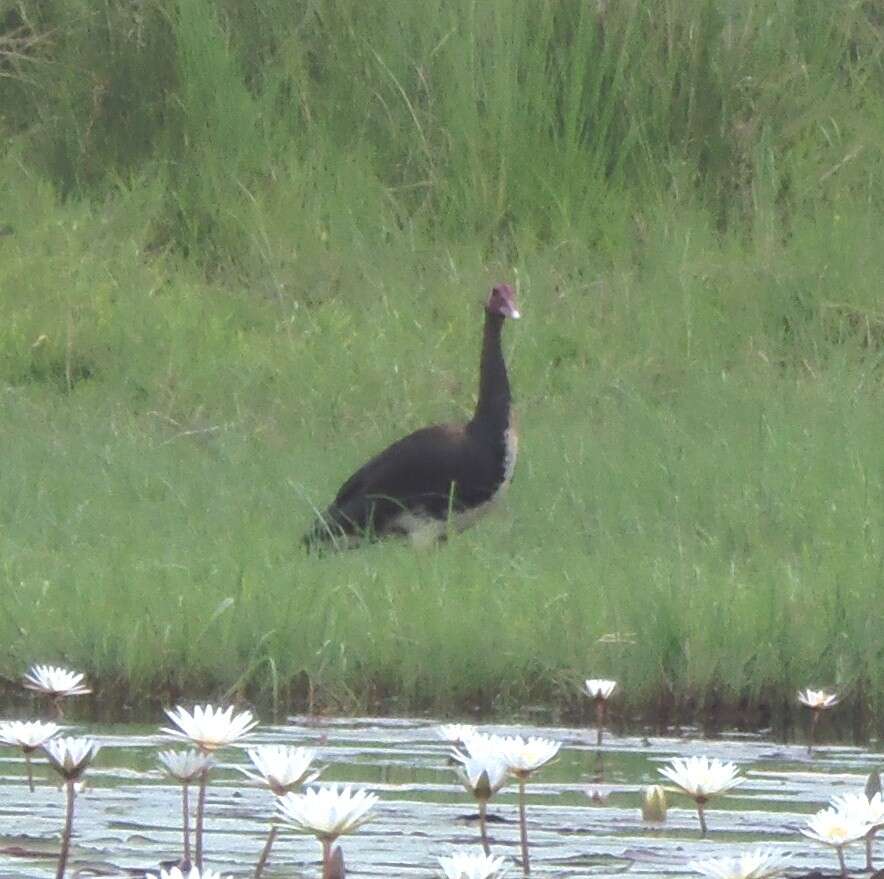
(248, 249)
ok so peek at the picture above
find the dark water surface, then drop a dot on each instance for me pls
(583, 812)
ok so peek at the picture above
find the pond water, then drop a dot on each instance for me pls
(583, 810)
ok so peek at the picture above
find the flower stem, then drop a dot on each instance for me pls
(599, 768)
(200, 817)
(600, 710)
(59, 713)
(840, 850)
(701, 814)
(68, 828)
(523, 828)
(814, 720)
(483, 829)
(326, 858)
(336, 868)
(185, 819)
(265, 854)
(870, 838)
(30, 769)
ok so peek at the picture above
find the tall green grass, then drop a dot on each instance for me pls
(468, 119)
(248, 247)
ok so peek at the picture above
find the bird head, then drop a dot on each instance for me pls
(502, 301)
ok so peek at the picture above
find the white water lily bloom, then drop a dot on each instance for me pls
(27, 735)
(482, 776)
(185, 766)
(455, 732)
(210, 728)
(818, 699)
(831, 827)
(326, 812)
(482, 770)
(522, 757)
(760, 864)
(194, 873)
(599, 688)
(55, 681)
(701, 777)
(282, 768)
(468, 866)
(486, 746)
(70, 756)
(862, 808)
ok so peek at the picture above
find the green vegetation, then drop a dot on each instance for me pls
(248, 246)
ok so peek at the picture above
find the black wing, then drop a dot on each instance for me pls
(432, 470)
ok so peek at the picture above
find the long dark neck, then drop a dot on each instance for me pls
(493, 407)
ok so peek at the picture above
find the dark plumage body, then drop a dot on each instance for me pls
(438, 473)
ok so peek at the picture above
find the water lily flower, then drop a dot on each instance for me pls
(55, 681)
(525, 756)
(327, 813)
(836, 829)
(600, 690)
(654, 804)
(866, 809)
(483, 776)
(759, 864)
(833, 827)
(210, 728)
(521, 758)
(480, 744)
(471, 866)
(861, 807)
(185, 767)
(70, 757)
(28, 736)
(456, 733)
(702, 779)
(193, 873)
(818, 701)
(282, 768)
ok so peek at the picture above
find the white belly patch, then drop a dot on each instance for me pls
(423, 529)
(511, 441)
